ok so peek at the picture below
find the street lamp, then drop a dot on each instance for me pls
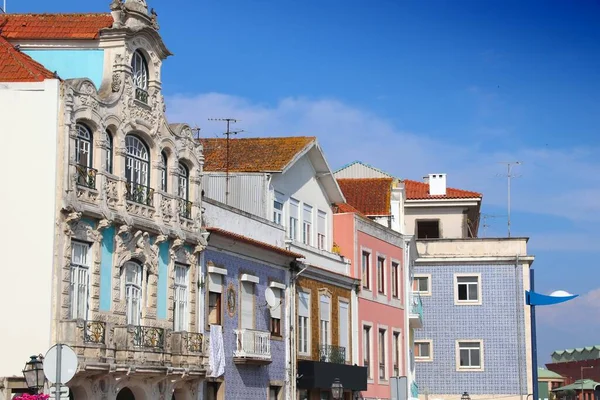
(34, 373)
(582, 368)
(465, 396)
(533, 299)
(337, 389)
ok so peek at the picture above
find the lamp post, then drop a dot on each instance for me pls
(533, 299)
(337, 389)
(465, 396)
(34, 373)
(582, 368)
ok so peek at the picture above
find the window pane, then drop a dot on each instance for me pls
(464, 357)
(467, 279)
(422, 284)
(473, 292)
(462, 292)
(425, 350)
(475, 358)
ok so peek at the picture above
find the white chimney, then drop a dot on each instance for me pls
(437, 184)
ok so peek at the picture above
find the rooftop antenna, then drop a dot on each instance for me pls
(485, 223)
(509, 176)
(4, 7)
(196, 131)
(228, 133)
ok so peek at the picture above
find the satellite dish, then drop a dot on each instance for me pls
(271, 298)
(560, 293)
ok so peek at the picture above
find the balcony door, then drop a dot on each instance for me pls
(133, 292)
(247, 306)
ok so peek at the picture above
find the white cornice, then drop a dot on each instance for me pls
(57, 44)
(443, 202)
(475, 260)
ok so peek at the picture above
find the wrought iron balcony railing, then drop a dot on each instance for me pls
(86, 176)
(252, 344)
(195, 342)
(332, 354)
(140, 193)
(141, 95)
(149, 337)
(94, 332)
(185, 208)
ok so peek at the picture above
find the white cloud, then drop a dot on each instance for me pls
(582, 311)
(563, 183)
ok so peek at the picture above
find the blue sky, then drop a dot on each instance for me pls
(417, 87)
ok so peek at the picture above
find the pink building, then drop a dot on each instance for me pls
(377, 258)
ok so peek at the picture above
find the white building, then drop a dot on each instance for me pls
(112, 199)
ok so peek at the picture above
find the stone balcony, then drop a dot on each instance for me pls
(101, 346)
(97, 192)
(252, 347)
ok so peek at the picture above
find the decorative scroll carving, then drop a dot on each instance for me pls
(136, 245)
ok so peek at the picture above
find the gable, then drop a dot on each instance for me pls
(358, 169)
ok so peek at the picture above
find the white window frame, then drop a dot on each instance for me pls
(308, 327)
(278, 214)
(325, 323)
(428, 291)
(369, 273)
(80, 282)
(139, 70)
(481, 355)
(321, 233)
(370, 374)
(467, 302)
(420, 358)
(134, 314)
(348, 332)
(307, 224)
(397, 343)
(386, 352)
(181, 297)
(381, 291)
(293, 219)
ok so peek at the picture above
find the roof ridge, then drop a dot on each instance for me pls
(261, 137)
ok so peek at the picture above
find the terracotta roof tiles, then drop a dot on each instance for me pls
(420, 191)
(53, 26)
(19, 67)
(370, 196)
(252, 154)
(254, 242)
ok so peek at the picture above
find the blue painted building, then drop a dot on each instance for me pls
(245, 292)
(475, 335)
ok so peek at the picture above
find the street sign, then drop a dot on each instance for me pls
(60, 364)
(64, 392)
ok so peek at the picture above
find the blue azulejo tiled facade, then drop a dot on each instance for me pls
(250, 380)
(494, 323)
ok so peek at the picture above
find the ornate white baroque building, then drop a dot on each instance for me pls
(127, 234)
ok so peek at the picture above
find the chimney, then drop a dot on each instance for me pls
(426, 179)
(437, 184)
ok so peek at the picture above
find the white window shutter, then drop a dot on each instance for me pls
(215, 283)
(276, 311)
(304, 304)
(344, 326)
(325, 308)
(321, 222)
(247, 306)
(308, 213)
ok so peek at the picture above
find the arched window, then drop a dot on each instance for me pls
(83, 146)
(139, 68)
(109, 152)
(133, 292)
(183, 177)
(137, 171)
(163, 171)
(183, 191)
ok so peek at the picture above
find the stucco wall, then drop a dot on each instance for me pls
(499, 321)
(249, 381)
(29, 129)
(453, 223)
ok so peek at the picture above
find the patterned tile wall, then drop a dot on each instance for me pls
(250, 381)
(499, 322)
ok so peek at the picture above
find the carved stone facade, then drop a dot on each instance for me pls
(122, 220)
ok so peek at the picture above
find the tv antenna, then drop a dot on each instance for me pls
(509, 176)
(196, 131)
(227, 133)
(4, 7)
(485, 223)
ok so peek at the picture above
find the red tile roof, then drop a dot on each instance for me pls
(371, 196)
(343, 208)
(252, 154)
(19, 67)
(53, 26)
(254, 242)
(420, 191)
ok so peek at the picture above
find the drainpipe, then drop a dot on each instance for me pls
(407, 293)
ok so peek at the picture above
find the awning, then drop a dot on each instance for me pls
(320, 375)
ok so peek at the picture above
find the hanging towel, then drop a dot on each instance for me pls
(216, 353)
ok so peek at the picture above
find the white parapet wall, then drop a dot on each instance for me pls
(29, 126)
